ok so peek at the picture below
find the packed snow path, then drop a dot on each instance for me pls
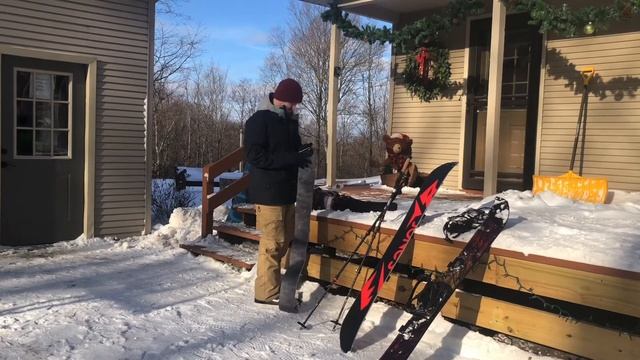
(142, 298)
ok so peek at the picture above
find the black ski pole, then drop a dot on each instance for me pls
(373, 229)
(335, 278)
(396, 191)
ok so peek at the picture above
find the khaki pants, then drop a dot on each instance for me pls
(276, 224)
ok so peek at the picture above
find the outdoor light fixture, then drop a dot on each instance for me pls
(589, 29)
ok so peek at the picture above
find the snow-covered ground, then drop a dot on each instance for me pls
(546, 224)
(145, 298)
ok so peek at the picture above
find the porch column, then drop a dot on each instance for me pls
(496, 59)
(332, 105)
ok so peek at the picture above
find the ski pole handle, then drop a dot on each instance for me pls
(404, 174)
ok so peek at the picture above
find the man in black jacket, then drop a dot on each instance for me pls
(274, 152)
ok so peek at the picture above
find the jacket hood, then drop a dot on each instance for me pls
(267, 104)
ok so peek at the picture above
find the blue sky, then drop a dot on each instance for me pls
(235, 33)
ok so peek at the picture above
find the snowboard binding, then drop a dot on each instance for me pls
(472, 219)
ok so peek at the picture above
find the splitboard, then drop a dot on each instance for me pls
(298, 250)
(369, 292)
(439, 289)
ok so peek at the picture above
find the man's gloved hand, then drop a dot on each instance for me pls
(304, 155)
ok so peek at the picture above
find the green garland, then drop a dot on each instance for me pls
(568, 22)
(427, 33)
(423, 33)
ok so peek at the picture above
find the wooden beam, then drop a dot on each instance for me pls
(526, 323)
(492, 143)
(202, 250)
(332, 105)
(542, 327)
(595, 286)
(236, 232)
(398, 288)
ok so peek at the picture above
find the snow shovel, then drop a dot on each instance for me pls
(571, 185)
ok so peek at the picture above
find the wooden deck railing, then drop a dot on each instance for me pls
(211, 199)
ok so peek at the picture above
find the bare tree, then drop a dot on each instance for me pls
(302, 52)
(173, 51)
(245, 98)
(374, 94)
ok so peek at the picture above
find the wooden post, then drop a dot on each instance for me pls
(332, 105)
(496, 59)
(207, 212)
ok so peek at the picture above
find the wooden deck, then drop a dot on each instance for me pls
(609, 291)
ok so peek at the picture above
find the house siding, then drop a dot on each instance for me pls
(612, 147)
(433, 126)
(117, 34)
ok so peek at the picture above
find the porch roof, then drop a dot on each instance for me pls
(385, 10)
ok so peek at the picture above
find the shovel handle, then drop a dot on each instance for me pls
(587, 74)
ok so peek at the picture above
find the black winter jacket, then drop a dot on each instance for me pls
(271, 146)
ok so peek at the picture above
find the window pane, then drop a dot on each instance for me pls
(521, 89)
(43, 142)
(61, 116)
(507, 89)
(24, 142)
(23, 85)
(509, 50)
(43, 114)
(43, 86)
(523, 50)
(507, 71)
(61, 88)
(24, 113)
(522, 69)
(60, 143)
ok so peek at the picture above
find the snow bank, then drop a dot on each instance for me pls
(100, 299)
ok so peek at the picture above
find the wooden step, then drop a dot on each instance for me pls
(231, 232)
(248, 212)
(202, 250)
(246, 209)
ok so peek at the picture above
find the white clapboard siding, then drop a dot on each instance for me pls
(116, 33)
(612, 148)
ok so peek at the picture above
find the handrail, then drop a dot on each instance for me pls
(211, 199)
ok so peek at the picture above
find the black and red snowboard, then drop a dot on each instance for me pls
(439, 289)
(387, 263)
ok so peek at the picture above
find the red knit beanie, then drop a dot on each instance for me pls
(288, 90)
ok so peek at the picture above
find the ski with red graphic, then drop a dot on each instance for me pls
(387, 263)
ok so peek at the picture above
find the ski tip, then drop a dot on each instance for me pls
(440, 173)
(448, 166)
(444, 169)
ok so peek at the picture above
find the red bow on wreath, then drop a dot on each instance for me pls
(423, 58)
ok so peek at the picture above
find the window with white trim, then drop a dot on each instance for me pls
(42, 127)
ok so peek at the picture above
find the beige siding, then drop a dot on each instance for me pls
(434, 126)
(116, 32)
(613, 124)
